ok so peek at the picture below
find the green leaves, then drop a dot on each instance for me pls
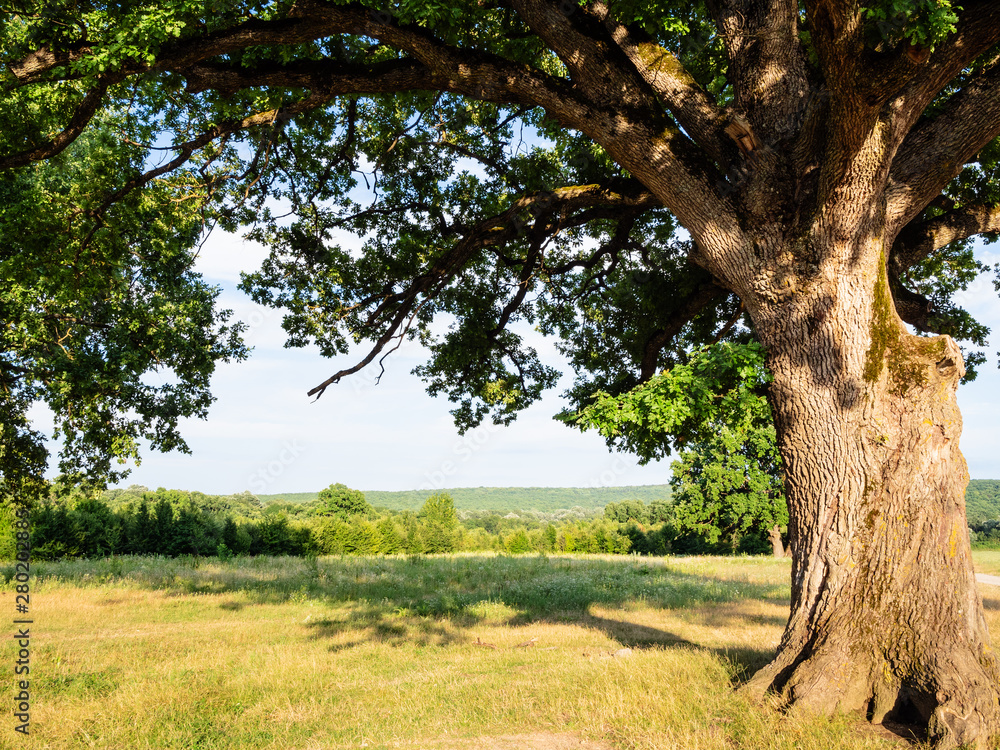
(727, 486)
(720, 385)
(922, 23)
(96, 297)
(341, 501)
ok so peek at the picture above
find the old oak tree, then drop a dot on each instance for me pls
(640, 177)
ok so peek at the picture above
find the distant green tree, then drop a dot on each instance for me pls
(518, 542)
(164, 530)
(194, 532)
(728, 490)
(550, 537)
(390, 540)
(276, 536)
(52, 535)
(727, 485)
(439, 523)
(96, 530)
(660, 511)
(139, 529)
(341, 501)
(235, 537)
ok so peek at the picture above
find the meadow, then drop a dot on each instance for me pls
(452, 651)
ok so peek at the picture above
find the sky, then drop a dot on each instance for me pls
(263, 433)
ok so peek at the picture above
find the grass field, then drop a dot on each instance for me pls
(412, 653)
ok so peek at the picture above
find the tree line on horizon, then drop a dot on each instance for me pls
(341, 521)
(137, 521)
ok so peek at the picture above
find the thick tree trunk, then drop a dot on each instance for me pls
(777, 548)
(885, 614)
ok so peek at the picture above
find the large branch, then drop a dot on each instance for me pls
(472, 73)
(766, 61)
(77, 124)
(912, 77)
(835, 27)
(639, 137)
(937, 150)
(628, 122)
(326, 76)
(919, 240)
(595, 63)
(906, 81)
(694, 109)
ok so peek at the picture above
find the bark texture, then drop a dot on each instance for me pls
(885, 617)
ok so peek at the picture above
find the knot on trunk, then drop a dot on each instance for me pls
(946, 366)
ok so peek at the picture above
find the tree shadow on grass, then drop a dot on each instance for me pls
(991, 601)
(438, 599)
(370, 624)
(743, 660)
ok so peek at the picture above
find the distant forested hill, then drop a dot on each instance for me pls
(542, 499)
(982, 501)
(982, 498)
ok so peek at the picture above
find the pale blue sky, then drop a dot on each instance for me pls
(264, 435)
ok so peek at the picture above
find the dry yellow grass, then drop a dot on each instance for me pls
(122, 663)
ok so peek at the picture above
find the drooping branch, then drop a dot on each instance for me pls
(392, 311)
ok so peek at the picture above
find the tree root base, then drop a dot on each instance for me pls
(959, 709)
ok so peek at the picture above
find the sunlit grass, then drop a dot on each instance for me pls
(986, 561)
(421, 652)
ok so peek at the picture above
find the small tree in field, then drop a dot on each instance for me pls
(727, 489)
(727, 486)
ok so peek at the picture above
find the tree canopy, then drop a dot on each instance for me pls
(130, 129)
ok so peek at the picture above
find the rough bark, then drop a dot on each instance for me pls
(885, 615)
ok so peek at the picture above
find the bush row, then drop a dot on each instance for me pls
(174, 525)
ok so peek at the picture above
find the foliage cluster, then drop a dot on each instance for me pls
(97, 293)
